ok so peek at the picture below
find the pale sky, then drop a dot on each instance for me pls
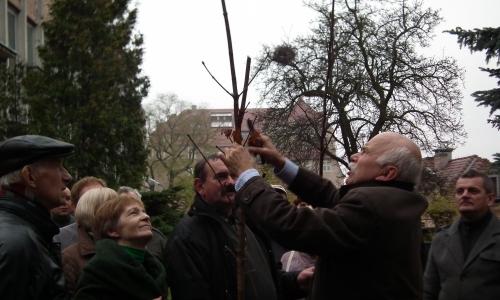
(179, 35)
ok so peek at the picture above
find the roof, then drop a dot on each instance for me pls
(456, 167)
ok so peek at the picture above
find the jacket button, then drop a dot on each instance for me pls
(246, 198)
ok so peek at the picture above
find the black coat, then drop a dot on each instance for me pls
(201, 261)
(30, 264)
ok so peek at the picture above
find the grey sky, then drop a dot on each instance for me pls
(179, 35)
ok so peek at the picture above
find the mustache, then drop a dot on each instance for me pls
(229, 189)
(352, 166)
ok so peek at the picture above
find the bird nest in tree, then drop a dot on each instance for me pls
(284, 55)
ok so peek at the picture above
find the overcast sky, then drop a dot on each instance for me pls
(179, 35)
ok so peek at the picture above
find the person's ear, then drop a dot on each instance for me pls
(28, 176)
(388, 173)
(491, 199)
(198, 186)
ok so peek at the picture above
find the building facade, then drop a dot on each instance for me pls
(20, 30)
(218, 121)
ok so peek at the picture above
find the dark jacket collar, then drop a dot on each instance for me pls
(31, 211)
(393, 183)
(200, 207)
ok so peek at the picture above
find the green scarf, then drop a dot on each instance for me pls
(137, 254)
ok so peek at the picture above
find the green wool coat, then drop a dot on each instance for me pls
(114, 274)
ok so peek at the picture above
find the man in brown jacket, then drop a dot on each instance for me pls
(366, 234)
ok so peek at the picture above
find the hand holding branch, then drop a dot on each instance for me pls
(238, 159)
(269, 153)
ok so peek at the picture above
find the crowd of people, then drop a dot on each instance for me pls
(359, 241)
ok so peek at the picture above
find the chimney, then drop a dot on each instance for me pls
(193, 110)
(441, 158)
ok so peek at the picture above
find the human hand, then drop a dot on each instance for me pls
(237, 159)
(269, 153)
(304, 278)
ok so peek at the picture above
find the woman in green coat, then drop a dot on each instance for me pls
(122, 268)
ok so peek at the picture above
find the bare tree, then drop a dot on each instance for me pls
(169, 120)
(379, 81)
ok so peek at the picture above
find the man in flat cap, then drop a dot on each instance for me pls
(32, 181)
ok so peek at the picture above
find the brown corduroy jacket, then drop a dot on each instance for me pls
(75, 257)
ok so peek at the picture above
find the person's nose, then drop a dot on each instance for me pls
(145, 216)
(229, 181)
(465, 194)
(65, 176)
(354, 157)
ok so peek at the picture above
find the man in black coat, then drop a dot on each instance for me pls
(366, 235)
(201, 261)
(32, 181)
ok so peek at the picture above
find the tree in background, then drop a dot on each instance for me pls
(486, 39)
(165, 208)
(442, 209)
(293, 132)
(13, 109)
(495, 165)
(90, 89)
(378, 83)
(169, 121)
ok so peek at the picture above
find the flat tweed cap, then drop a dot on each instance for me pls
(19, 151)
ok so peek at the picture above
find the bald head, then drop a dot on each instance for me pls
(387, 156)
(392, 140)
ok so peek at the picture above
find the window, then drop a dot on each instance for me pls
(11, 29)
(327, 166)
(31, 45)
(224, 120)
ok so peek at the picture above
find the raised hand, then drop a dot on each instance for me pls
(269, 153)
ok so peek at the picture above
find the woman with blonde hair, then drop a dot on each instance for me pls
(122, 268)
(76, 256)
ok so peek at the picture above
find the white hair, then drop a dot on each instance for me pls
(127, 189)
(10, 178)
(15, 176)
(409, 167)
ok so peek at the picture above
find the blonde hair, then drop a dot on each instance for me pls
(89, 203)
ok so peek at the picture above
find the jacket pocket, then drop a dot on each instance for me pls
(493, 255)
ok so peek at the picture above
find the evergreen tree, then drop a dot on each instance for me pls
(13, 110)
(486, 39)
(496, 161)
(166, 208)
(90, 89)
